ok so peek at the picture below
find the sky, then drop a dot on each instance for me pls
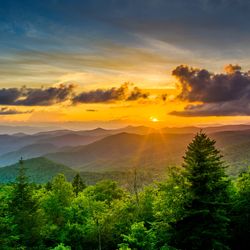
(114, 63)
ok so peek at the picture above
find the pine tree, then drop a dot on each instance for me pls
(78, 184)
(204, 224)
(22, 208)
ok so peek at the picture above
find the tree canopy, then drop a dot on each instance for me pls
(196, 206)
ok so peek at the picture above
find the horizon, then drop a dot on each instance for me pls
(31, 129)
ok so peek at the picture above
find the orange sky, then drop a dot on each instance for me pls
(151, 112)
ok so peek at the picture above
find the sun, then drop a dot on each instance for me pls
(154, 119)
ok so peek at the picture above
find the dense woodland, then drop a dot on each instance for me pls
(197, 206)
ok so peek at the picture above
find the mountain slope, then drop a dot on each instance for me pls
(59, 138)
(125, 150)
(154, 151)
(39, 170)
(27, 152)
(71, 139)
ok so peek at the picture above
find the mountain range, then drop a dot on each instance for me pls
(101, 151)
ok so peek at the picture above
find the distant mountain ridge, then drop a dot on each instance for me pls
(101, 150)
(124, 151)
(27, 152)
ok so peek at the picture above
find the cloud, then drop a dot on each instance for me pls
(91, 110)
(9, 96)
(35, 96)
(8, 111)
(123, 93)
(218, 94)
(230, 69)
(53, 95)
(47, 96)
(164, 97)
(136, 94)
(235, 108)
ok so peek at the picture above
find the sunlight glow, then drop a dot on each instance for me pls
(154, 119)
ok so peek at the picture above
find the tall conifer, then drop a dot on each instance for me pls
(23, 209)
(78, 184)
(204, 224)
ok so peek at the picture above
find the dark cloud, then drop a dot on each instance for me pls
(201, 85)
(136, 94)
(53, 95)
(35, 96)
(8, 111)
(123, 93)
(91, 110)
(47, 96)
(164, 97)
(9, 96)
(219, 94)
(102, 95)
(234, 108)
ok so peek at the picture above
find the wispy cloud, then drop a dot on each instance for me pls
(11, 111)
(91, 110)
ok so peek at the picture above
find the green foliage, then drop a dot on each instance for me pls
(205, 171)
(205, 209)
(140, 238)
(55, 205)
(78, 184)
(105, 190)
(241, 212)
(61, 247)
(124, 246)
(6, 225)
(23, 211)
(190, 209)
(39, 170)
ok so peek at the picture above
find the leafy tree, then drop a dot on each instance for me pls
(168, 205)
(146, 200)
(241, 213)
(61, 247)
(84, 229)
(56, 206)
(124, 246)
(139, 238)
(78, 184)
(105, 190)
(6, 223)
(204, 223)
(121, 214)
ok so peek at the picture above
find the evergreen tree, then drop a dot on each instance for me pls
(204, 223)
(23, 210)
(78, 184)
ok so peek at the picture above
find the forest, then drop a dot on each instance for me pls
(197, 206)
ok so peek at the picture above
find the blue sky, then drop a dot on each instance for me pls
(203, 33)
